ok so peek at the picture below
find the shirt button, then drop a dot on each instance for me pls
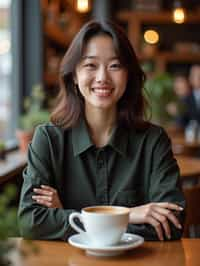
(100, 163)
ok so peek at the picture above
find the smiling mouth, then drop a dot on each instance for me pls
(102, 92)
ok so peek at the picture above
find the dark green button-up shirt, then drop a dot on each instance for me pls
(136, 167)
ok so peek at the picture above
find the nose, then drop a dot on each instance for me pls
(102, 74)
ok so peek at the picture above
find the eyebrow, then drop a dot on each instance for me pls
(96, 57)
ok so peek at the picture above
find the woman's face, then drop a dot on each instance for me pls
(100, 76)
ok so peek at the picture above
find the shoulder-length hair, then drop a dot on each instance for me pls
(70, 103)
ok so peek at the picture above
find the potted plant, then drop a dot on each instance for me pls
(8, 223)
(159, 93)
(2, 150)
(34, 115)
(9, 229)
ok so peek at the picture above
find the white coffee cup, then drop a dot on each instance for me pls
(104, 225)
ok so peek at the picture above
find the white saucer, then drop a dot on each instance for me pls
(128, 241)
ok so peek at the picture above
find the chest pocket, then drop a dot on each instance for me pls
(129, 198)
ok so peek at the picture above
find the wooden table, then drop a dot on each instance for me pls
(189, 166)
(14, 164)
(175, 253)
(181, 146)
(182, 141)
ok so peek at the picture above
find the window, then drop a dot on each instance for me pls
(5, 69)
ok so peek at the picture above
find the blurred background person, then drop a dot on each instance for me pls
(178, 109)
(191, 113)
(193, 100)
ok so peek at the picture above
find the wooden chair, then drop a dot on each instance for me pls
(179, 145)
(192, 222)
(186, 150)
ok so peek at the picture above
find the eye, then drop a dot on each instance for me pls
(90, 66)
(115, 66)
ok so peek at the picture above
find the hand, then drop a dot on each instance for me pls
(47, 196)
(158, 215)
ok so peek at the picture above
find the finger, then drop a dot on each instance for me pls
(43, 191)
(48, 188)
(44, 202)
(157, 227)
(46, 198)
(164, 222)
(170, 215)
(169, 205)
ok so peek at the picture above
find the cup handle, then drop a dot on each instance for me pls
(72, 216)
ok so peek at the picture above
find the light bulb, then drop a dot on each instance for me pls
(151, 36)
(179, 15)
(83, 6)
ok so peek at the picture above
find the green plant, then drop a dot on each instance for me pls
(2, 145)
(2, 150)
(8, 223)
(159, 93)
(9, 227)
(35, 113)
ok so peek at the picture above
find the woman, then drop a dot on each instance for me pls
(98, 150)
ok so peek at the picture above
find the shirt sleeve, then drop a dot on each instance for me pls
(164, 185)
(37, 221)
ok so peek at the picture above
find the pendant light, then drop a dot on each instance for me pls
(83, 6)
(179, 13)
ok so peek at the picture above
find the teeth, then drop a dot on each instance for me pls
(100, 90)
(103, 90)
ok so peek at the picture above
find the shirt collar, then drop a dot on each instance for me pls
(119, 141)
(81, 140)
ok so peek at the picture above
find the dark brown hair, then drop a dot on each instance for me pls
(70, 104)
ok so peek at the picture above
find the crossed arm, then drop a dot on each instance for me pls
(157, 214)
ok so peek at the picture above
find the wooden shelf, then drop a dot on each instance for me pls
(60, 24)
(158, 17)
(54, 33)
(180, 57)
(14, 164)
(171, 56)
(135, 21)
